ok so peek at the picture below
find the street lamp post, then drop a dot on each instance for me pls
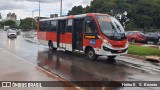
(32, 18)
(39, 9)
(39, 14)
(61, 9)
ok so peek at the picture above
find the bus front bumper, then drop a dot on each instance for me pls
(109, 51)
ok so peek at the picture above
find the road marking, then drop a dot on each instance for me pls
(53, 75)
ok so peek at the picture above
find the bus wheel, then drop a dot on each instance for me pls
(91, 54)
(51, 47)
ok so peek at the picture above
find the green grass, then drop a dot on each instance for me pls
(143, 51)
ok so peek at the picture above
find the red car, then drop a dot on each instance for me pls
(135, 36)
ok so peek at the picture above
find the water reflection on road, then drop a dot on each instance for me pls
(74, 68)
(77, 68)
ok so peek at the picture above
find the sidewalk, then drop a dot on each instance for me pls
(14, 68)
(147, 58)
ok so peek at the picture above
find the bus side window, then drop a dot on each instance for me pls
(47, 26)
(69, 26)
(90, 25)
(62, 26)
(42, 26)
(53, 26)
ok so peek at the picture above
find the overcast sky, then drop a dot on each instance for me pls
(24, 8)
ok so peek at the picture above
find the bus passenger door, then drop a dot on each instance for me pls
(78, 34)
(68, 34)
(61, 33)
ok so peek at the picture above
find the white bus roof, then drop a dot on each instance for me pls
(73, 16)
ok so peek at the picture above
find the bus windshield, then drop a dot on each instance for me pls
(110, 26)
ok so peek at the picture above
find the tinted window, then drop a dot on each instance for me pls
(90, 25)
(53, 26)
(147, 34)
(69, 25)
(47, 26)
(42, 26)
(129, 33)
(62, 26)
(140, 33)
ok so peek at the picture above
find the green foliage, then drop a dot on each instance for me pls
(28, 24)
(76, 10)
(141, 13)
(10, 23)
(130, 26)
(143, 51)
(1, 24)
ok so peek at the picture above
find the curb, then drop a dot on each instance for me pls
(147, 45)
(155, 59)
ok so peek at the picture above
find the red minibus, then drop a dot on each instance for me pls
(93, 34)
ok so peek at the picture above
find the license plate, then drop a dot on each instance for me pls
(120, 51)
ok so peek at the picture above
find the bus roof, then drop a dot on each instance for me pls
(74, 16)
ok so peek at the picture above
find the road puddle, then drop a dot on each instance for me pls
(85, 73)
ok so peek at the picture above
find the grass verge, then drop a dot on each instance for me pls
(143, 51)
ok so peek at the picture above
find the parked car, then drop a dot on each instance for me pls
(135, 36)
(12, 33)
(153, 37)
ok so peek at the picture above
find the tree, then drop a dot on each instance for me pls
(10, 23)
(28, 24)
(76, 10)
(0, 16)
(141, 13)
(1, 24)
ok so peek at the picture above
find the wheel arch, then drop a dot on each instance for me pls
(132, 39)
(49, 42)
(87, 48)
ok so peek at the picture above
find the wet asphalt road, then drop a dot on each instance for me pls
(76, 67)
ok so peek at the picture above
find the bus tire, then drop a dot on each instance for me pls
(91, 54)
(51, 48)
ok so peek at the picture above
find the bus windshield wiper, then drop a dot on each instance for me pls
(113, 28)
(118, 27)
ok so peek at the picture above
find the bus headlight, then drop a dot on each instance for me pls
(104, 40)
(107, 42)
